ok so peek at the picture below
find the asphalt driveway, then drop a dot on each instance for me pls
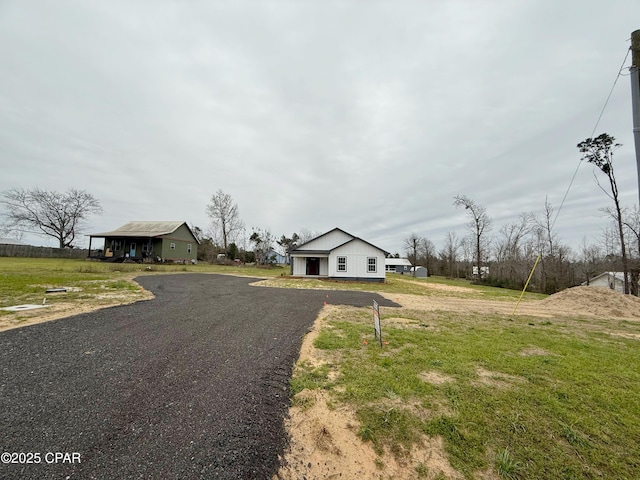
(192, 384)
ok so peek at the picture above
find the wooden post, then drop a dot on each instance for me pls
(635, 48)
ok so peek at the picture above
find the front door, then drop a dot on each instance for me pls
(313, 266)
(132, 250)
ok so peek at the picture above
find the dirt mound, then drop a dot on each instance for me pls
(600, 301)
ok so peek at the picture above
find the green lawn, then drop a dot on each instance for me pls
(525, 398)
(24, 280)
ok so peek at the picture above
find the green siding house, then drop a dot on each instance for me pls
(150, 242)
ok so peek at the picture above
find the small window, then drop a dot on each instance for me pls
(172, 246)
(188, 248)
(372, 264)
(342, 264)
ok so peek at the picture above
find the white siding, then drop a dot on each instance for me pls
(299, 265)
(328, 241)
(324, 267)
(608, 280)
(357, 253)
(336, 243)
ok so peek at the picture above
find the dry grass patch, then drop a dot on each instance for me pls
(435, 378)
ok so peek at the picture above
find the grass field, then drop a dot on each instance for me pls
(512, 398)
(396, 283)
(24, 280)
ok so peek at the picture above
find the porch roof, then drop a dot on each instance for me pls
(310, 253)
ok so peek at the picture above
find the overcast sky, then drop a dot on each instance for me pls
(368, 116)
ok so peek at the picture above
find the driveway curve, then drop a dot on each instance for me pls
(190, 385)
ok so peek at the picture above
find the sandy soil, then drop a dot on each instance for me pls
(58, 308)
(324, 442)
(323, 437)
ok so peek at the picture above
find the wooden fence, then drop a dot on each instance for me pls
(41, 252)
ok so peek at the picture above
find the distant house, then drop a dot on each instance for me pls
(397, 265)
(149, 241)
(339, 255)
(484, 271)
(277, 258)
(612, 280)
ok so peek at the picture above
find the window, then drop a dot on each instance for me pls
(372, 264)
(188, 248)
(342, 264)
(172, 246)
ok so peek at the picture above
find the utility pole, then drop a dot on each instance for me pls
(635, 96)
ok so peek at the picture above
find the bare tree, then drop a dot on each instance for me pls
(223, 212)
(263, 241)
(509, 251)
(60, 215)
(555, 268)
(610, 243)
(306, 235)
(427, 254)
(11, 232)
(632, 225)
(599, 152)
(632, 222)
(479, 224)
(449, 254)
(413, 244)
(590, 259)
(545, 226)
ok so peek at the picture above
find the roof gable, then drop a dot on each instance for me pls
(327, 241)
(331, 240)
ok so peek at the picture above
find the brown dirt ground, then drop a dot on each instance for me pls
(323, 436)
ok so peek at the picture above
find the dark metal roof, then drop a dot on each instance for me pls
(144, 229)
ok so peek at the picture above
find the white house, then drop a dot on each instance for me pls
(339, 255)
(612, 280)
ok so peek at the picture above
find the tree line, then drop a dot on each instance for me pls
(63, 216)
(505, 258)
(227, 236)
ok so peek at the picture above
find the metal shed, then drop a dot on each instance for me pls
(419, 272)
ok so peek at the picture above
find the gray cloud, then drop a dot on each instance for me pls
(368, 116)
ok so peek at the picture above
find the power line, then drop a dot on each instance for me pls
(592, 134)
